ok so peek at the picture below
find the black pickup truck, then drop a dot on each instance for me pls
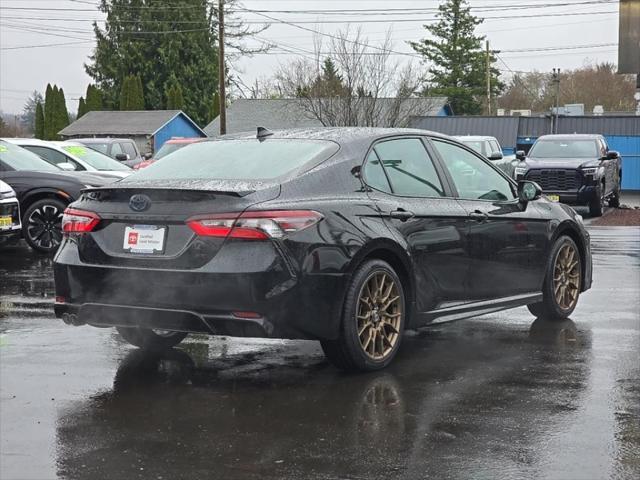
(574, 169)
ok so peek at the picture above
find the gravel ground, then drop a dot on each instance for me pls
(619, 218)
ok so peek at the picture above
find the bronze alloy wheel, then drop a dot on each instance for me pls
(379, 315)
(566, 277)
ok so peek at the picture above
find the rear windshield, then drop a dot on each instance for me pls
(564, 149)
(237, 160)
(18, 158)
(94, 158)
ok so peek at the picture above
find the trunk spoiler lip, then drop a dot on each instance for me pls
(237, 193)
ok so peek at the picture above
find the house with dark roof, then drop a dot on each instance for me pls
(283, 113)
(148, 128)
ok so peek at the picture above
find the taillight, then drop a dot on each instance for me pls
(79, 221)
(258, 225)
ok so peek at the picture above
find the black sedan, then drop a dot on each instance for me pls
(344, 235)
(44, 191)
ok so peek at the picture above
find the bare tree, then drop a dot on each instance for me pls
(355, 84)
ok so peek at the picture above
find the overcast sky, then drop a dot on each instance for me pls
(28, 28)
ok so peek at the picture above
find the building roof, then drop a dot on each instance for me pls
(286, 113)
(125, 122)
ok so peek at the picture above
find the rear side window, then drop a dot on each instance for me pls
(53, 156)
(409, 168)
(238, 160)
(374, 175)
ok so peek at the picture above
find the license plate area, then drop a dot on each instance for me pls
(553, 198)
(6, 221)
(144, 239)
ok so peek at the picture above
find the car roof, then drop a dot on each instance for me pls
(339, 135)
(177, 141)
(462, 138)
(27, 141)
(102, 140)
(572, 136)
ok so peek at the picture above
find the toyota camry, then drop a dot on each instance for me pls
(349, 236)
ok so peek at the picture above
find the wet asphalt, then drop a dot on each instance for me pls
(500, 396)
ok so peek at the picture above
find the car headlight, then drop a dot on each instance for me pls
(521, 170)
(591, 171)
(7, 194)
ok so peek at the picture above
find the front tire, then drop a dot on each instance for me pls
(614, 200)
(596, 207)
(373, 320)
(42, 225)
(147, 339)
(562, 282)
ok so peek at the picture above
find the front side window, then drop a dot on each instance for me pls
(115, 150)
(129, 149)
(409, 168)
(494, 147)
(53, 156)
(374, 175)
(472, 176)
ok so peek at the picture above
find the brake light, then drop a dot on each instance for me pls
(79, 221)
(259, 225)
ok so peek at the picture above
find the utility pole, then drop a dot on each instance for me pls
(488, 79)
(556, 81)
(221, 69)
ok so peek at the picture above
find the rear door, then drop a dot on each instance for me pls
(505, 241)
(414, 199)
(53, 156)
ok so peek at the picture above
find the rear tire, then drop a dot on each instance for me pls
(614, 200)
(562, 282)
(42, 225)
(373, 319)
(596, 206)
(148, 339)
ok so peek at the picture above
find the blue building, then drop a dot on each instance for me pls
(148, 128)
(519, 133)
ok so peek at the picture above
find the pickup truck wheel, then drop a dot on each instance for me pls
(562, 282)
(148, 339)
(597, 204)
(372, 320)
(614, 200)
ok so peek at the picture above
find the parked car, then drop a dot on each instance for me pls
(490, 147)
(169, 146)
(43, 191)
(574, 169)
(72, 156)
(10, 225)
(124, 150)
(344, 235)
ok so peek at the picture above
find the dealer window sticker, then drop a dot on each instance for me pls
(75, 150)
(3, 148)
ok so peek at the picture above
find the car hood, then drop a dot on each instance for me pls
(568, 163)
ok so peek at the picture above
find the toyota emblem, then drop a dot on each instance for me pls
(139, 203)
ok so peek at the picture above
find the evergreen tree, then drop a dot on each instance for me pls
(125, 93)
(28, 116)
(62, 114)
(191, 56)
(93, 99)
(138, 103)
(48, 111)
(458, 61)
(39, 122)
(175, 100)
(82, 108)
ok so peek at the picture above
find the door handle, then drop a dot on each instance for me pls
(479, 216)
(401, 214)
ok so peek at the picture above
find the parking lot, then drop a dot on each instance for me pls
(500, 396)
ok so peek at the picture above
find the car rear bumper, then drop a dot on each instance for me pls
(273, 302)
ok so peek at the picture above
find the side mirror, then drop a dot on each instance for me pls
(496, 156)
(147, 156)
(67, 166)
(122, 157)
(520, 155)
(612, 155)
(528, 191)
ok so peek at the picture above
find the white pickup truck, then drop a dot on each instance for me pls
(490, 147)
